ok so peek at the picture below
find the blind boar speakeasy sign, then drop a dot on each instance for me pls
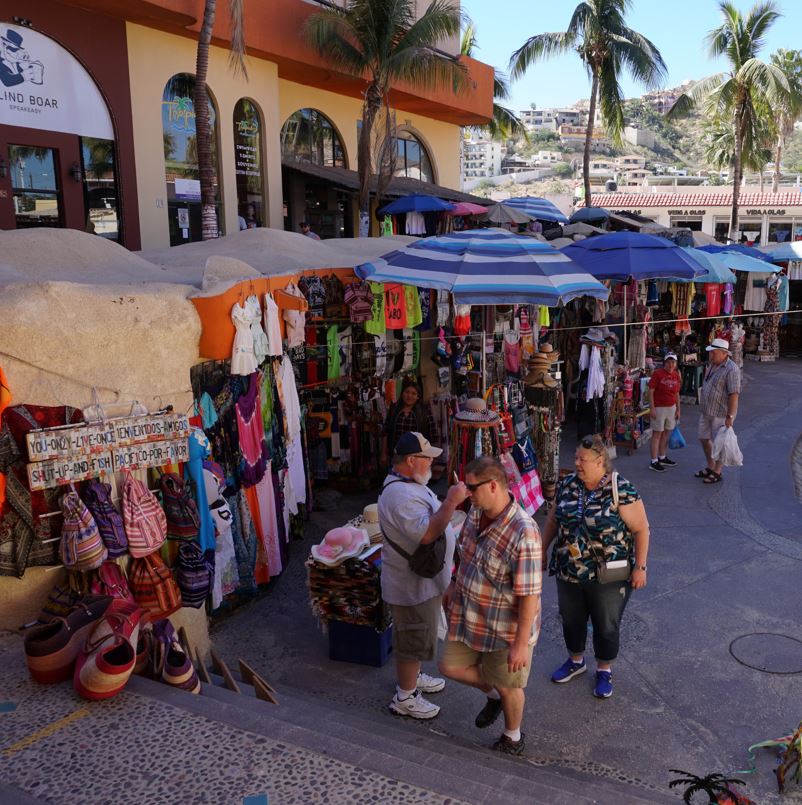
(60, 455)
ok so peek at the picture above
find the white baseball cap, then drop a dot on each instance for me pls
(670, 357)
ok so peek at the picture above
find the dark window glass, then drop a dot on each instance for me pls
(308, 136)
(248, 163)
(100, 187)
(413, 161)
(181, 159)
(34, 183)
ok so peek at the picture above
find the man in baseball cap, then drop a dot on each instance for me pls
(718, 399)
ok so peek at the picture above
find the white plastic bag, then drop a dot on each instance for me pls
(725, 448)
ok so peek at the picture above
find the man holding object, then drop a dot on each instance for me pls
(494, 601)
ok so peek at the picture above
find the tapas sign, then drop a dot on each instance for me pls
(60, 456)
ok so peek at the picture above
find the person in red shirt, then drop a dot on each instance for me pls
(664, 386)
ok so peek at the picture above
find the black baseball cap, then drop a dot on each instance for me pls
(413, 443)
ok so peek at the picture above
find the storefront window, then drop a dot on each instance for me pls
(248, 163)
(181, 159)
(308, 136)
(694, 224)
(34, 182)
(780, 231)
(413, 161)
(100, 187)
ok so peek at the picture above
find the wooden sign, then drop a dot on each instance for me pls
(60, 471)
(150, 454)
(136, 430)
(62, 442)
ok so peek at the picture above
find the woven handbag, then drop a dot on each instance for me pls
(145, 521)
(97, 497)
(194, 575)
(110, 580)
(183, 520)
(154, 587)
(81, 545)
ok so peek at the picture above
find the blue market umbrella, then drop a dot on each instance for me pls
(486, 267)
(416, 203)
(539, 208)
(588, 214)
(717, 270)
(786, 251)
(741, 258)
(739, 248)
(623, 256)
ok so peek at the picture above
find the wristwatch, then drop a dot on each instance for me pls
(640, 567)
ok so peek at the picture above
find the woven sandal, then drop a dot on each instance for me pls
(713, 478)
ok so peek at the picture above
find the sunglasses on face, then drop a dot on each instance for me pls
(473, 487)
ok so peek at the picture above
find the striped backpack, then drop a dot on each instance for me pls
(183, 521)
(194, 574)
(144, 519)
(154, 587)
(110, 580)
(97, 497)
(81, 545)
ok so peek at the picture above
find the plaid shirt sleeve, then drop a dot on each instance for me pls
(733, 384)
(526, 565)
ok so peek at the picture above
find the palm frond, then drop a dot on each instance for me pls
(440, 21)
(540, 46)
(425, 67)
(468, 41)
(640, 63)
(760, 18)
(695, 96)
(505, 124)
(650, 62)
(501, 86)
(331, 33)
(236, 56)
(611, 101)
(767, 79)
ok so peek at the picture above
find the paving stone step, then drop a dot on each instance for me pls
(424, 751)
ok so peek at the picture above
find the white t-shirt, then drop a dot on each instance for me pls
(404, 512)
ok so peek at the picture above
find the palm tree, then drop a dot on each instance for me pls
(382, 41)
(757, 146)
(790, 110)
(504, 124)
(236, 9)
(598, 32)
(736, 95)
(715, 786)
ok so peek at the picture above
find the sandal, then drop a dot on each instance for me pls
(713, 478)
(705, 473)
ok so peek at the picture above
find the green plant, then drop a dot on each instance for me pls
(598, 32)
(716, 786)
(790, 108)
(562, 169)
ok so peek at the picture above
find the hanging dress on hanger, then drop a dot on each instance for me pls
(272, 327)
(257, 333)
(243, 359)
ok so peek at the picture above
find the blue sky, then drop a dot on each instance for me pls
(677, 28)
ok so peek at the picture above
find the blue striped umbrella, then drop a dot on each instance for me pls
(486, 267)
(539, 208)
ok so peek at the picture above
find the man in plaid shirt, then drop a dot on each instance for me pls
(494, 601)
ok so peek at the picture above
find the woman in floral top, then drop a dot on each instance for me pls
(586, 522)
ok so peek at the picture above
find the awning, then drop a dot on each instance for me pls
(399, 186)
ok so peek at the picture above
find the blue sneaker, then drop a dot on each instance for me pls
(568, 670)
(604, 685)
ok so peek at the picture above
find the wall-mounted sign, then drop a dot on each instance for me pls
(687, 212)
(153, 454)
(60, 442)
(764, 211)
(60, 471)
(150, 429)
(43, 86)
(187, 189)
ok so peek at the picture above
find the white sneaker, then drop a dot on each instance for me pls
(415, 706)
(430, 684)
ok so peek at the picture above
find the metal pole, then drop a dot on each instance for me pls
(625, 323)
(483, 364)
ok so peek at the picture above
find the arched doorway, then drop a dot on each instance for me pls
(181, 160)
(57, 152)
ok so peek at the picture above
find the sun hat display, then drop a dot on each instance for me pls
(719, 343)
(475, 410)
(340, 544)
(595, 336)
(368, 521)
(413, 443)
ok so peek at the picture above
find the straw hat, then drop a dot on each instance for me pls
(594, 336)
(538, 378)
(475, 410)
(340, 544)
(368, 521)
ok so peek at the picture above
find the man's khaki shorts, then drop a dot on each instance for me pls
(493, 664)
(415, 630)
(709, 426)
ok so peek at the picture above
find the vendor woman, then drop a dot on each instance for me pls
(407, 414)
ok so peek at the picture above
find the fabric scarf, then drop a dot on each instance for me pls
(199, 449)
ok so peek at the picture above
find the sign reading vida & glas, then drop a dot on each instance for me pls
(43, 86)
(62, 455)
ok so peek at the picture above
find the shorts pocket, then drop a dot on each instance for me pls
(413, 639)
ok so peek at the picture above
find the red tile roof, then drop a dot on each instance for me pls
(622, 201)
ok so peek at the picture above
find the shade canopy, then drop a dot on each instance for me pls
(416, 203)
(623, 256)
(741, 258)
(486, 267)
(717, 270)
(786, 251)
(502, 214)
(467, 208)
(539, 208)
(587, 214)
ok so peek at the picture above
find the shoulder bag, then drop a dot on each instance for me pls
(605, 574)
(427, 560)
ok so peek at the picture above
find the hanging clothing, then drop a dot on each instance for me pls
(782, 293)
(376, 324)
(443, 307)
(415, 224)
(462, 320)
(772, 323)
(359, 299)
(200, 450)
(243, 357)
(713, 298)
(288, 394)
(652, 294)
(250, 428)
(272, 327)
(332, 353)
(395, 311)
(425, 302)
(260, 346)
(412, 306)
(590, 359)
(295, 320)
(314, 290)
(344, 340)
(755, 297)
(380, 344)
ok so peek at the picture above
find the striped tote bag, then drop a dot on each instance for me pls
(144, 519)
(153, 586)
(81, 545)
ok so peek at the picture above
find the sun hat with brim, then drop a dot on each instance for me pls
(719, 343)
(368, 521)
(538, 378)
(594, 335)
(340, 544)
(475, 410)
(413, 443)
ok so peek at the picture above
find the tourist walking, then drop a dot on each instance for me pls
(664, 388)
(411, 516)
(718, 399)
(494, 603)
(601, 543)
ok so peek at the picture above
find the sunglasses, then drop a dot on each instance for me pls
(474, 487)
(588, 444)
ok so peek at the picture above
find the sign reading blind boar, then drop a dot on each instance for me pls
(43, 86)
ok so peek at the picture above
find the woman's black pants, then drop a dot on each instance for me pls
(604, 604)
